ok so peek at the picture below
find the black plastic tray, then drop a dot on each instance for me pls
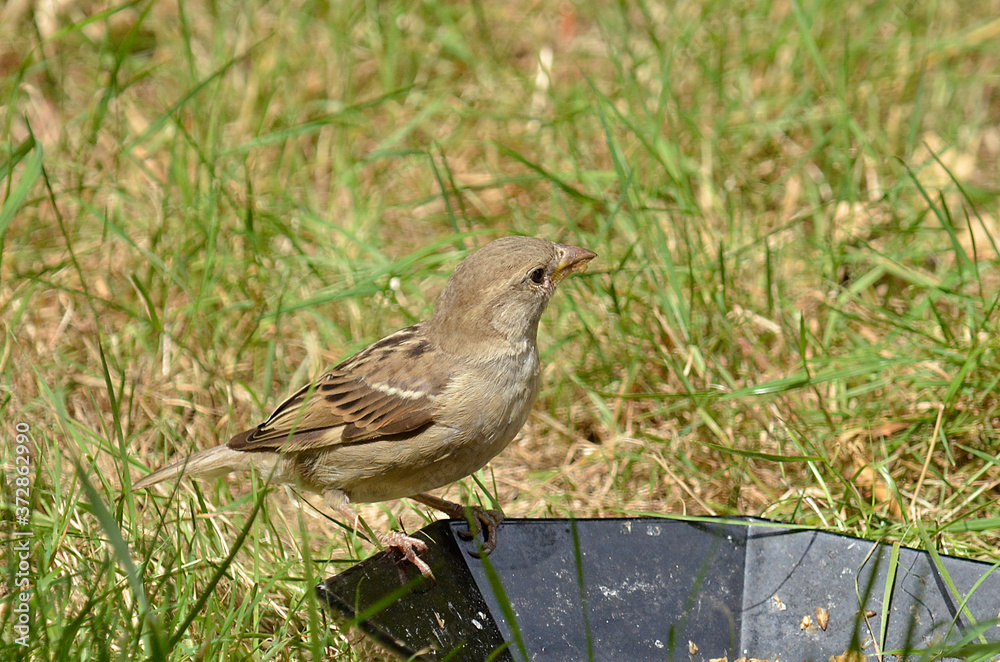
(662, 589)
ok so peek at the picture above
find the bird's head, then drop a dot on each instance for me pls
(500, 291)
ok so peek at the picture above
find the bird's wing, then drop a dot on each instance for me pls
(388, 389)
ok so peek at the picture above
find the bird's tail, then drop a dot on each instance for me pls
(209, 463)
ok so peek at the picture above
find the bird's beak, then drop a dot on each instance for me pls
(571, 258)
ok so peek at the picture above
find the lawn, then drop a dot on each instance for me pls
(794, 313)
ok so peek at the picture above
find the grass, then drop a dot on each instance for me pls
(794, 313)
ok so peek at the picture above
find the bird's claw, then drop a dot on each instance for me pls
(410, 548)
(478, 518)
(487, 521)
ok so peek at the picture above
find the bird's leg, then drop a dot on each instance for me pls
(482, 519)
(409, 546)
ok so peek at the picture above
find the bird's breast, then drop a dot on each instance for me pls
(491, 405)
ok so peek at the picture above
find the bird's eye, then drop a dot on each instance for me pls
(537, 276)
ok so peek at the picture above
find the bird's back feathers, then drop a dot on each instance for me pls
(370, 396)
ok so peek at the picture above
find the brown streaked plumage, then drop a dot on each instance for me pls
(421, 408)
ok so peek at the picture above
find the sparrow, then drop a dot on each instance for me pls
(419, 409)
